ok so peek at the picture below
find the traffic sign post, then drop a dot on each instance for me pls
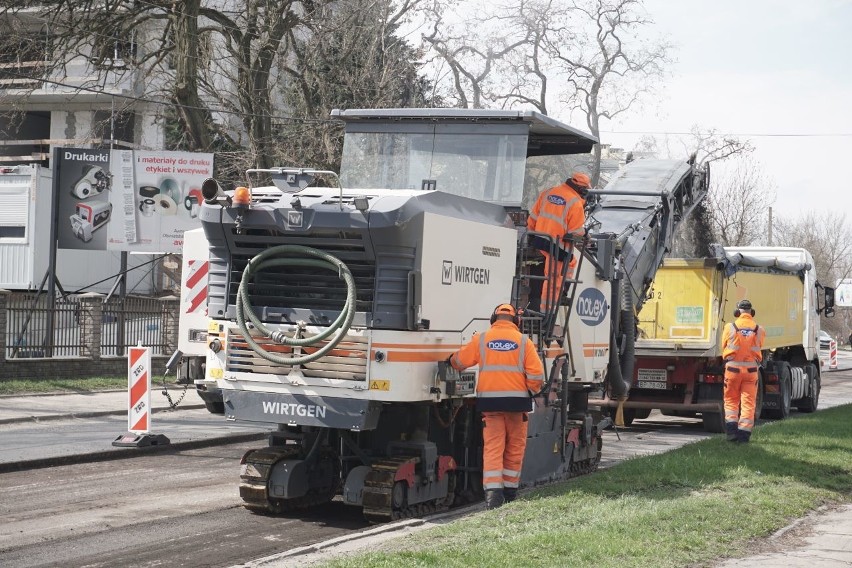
(139, 402)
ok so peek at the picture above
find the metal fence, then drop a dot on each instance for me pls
(131, 322)
(123, 324)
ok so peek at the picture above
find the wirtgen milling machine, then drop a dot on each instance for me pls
(331, 305)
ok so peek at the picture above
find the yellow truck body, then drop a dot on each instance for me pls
(678, 367)
(692, 300)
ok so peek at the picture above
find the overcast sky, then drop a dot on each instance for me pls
(763, 70)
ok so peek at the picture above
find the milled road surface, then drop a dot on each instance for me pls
(183, 508)
(178, 509)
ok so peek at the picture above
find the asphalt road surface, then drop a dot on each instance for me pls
(183, 508)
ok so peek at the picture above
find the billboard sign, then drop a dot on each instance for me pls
(129, 200)
(843, 293)
(84, 206)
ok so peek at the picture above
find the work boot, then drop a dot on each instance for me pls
(510, 494)
(743, 436)
(493, 498)
(731, 430)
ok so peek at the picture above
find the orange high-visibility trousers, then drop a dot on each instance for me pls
(740, 397)
(504, 437)
(554, 279)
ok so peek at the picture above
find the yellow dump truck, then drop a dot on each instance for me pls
(678, 365)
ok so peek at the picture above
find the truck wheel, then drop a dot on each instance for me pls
(713, 422)
(215, 406)
(810, 402)
(785, 383)
(190, 370)
(629, 414)
(642, 413)
(679, 413)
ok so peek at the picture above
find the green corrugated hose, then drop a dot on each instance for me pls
(283, 255)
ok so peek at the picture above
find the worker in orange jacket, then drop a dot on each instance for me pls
(742, 351)
(510, 372)
(559, 212)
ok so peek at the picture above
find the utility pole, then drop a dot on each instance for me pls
(769, 237)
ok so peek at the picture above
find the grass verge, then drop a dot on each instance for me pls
(687, 507)
(34, 386)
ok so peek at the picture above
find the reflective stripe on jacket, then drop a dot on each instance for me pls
(558, 211)
(509, 368)
(743, 341)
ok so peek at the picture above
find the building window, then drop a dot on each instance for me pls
(14, 213)
(13, 232)
(115, 126)
(115, 52)
(22, 60)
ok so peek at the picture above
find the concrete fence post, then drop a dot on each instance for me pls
(91, 325)
(170, 316)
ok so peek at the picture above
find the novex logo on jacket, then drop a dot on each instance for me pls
(591, 306)
(556, 199)
(501, 345)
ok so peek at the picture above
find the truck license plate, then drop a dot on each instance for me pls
(652, 379)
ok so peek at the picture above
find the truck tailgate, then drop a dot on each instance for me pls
(681, 312)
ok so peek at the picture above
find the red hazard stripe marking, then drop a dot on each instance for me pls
(196, 276)
(196, 301)
(135, 354)
(142, 424)
(139, 388)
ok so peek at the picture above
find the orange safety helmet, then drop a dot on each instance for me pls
(506, 310)
(580, 180)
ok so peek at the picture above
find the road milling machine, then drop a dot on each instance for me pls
(334, 300)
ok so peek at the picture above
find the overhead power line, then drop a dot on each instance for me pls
(292, 119)
(743, 134)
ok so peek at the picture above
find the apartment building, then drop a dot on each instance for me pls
(91, 99)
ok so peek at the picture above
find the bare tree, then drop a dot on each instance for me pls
(599, 52)
(115, 40)
(589, 55)
(254, 84)
(827, 235)
(706, 148)
(353, 59)
(703, 146)
(163, 56)
(290, 62)
(710, 146)
(193, 115)
(476, 50)
(739, 202)
(252, 40)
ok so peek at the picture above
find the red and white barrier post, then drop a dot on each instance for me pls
(832, 354)
(139, 402)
